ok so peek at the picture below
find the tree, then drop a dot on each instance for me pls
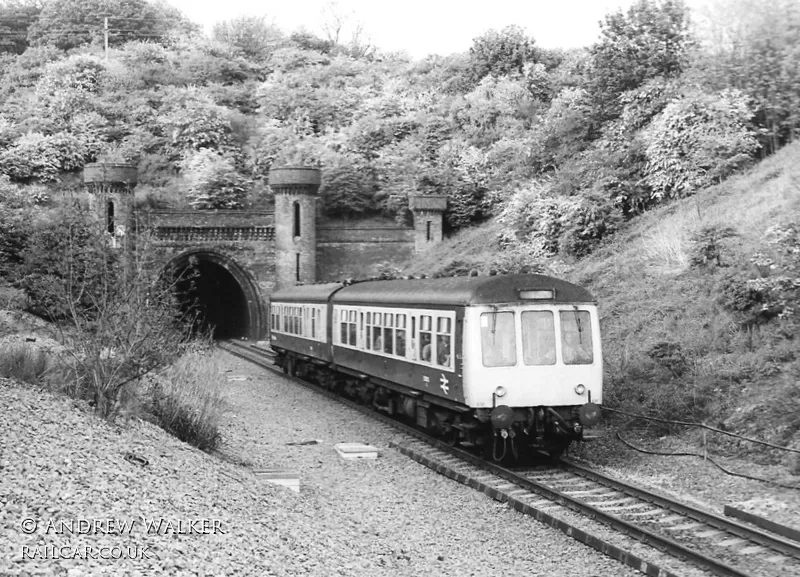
(755, 47)
(213, 181)
(16, 17)
(336, 23)
(652, 39)
(251, 34)
(67, 24)
(500, 53)
(192, 121)
(124, 315)
(348, 188)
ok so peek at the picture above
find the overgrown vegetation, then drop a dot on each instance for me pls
(559, 156)
(657, 109)
(187, 399)
(119, 316)
(24, 363)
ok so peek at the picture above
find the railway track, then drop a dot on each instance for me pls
(627, 523)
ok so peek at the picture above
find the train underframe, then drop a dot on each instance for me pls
(501, 433)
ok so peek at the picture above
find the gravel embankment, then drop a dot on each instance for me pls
(389, 516)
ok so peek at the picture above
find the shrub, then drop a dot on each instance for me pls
(670, 356)
(707, 246)
(24, 363)
(533, 218)
(187, 399)
(591, 220)
(547, 225)
(698, 140)
(35, 156)
(737, 295)
(214, 182)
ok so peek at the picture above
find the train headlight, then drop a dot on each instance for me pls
(580, 389)
(500, 392)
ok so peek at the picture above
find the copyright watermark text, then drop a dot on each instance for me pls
(158, 526)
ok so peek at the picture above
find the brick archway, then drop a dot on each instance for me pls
(255, 315)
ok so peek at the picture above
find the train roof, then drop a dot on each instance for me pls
(452, 291)
(307, 293)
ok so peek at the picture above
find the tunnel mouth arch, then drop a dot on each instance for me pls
(219, 292)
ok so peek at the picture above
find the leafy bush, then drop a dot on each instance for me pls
(651, 39)
(697, 141)
(192, 121)
(670, 356)
(500, 53)
(547, 225)
(707, 246)
(518, 258)
(187, 400)
(780, 292)
(213, 181)
(348, 188)
(38, 157)
(737, 295)
(16, 212)
(588, 223)
(63, 262)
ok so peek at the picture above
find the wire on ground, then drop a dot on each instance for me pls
(702, 426)
(709, 459)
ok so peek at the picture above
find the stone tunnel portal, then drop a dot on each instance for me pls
(218, 294)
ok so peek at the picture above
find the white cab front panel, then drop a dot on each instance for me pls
(524, 372)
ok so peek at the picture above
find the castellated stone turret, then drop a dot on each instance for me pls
(428, 212)
(295, 191)
(111, 186)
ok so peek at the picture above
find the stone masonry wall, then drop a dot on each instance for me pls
(355, 250)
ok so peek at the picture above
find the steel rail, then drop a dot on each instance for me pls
(762, 538)
(643, 535)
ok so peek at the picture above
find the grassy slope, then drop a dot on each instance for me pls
(747, 380)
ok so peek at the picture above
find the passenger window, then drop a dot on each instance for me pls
(498, 340)
(352, 327)
(576, 337)
(400, 336)
(425, 341)
(443, 341)
(388, 333)
(538, 338)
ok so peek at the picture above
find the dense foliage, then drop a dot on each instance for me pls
(562, 144)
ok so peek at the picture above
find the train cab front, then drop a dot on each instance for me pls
(537, 368)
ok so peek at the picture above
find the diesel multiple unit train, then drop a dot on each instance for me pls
(509, 362)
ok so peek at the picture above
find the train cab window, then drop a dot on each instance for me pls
(425, 340)
(313, 334)
(576, 337)
(443, 341)
(538, 338)
(388, 333)
(400, 336)
(498, 339)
